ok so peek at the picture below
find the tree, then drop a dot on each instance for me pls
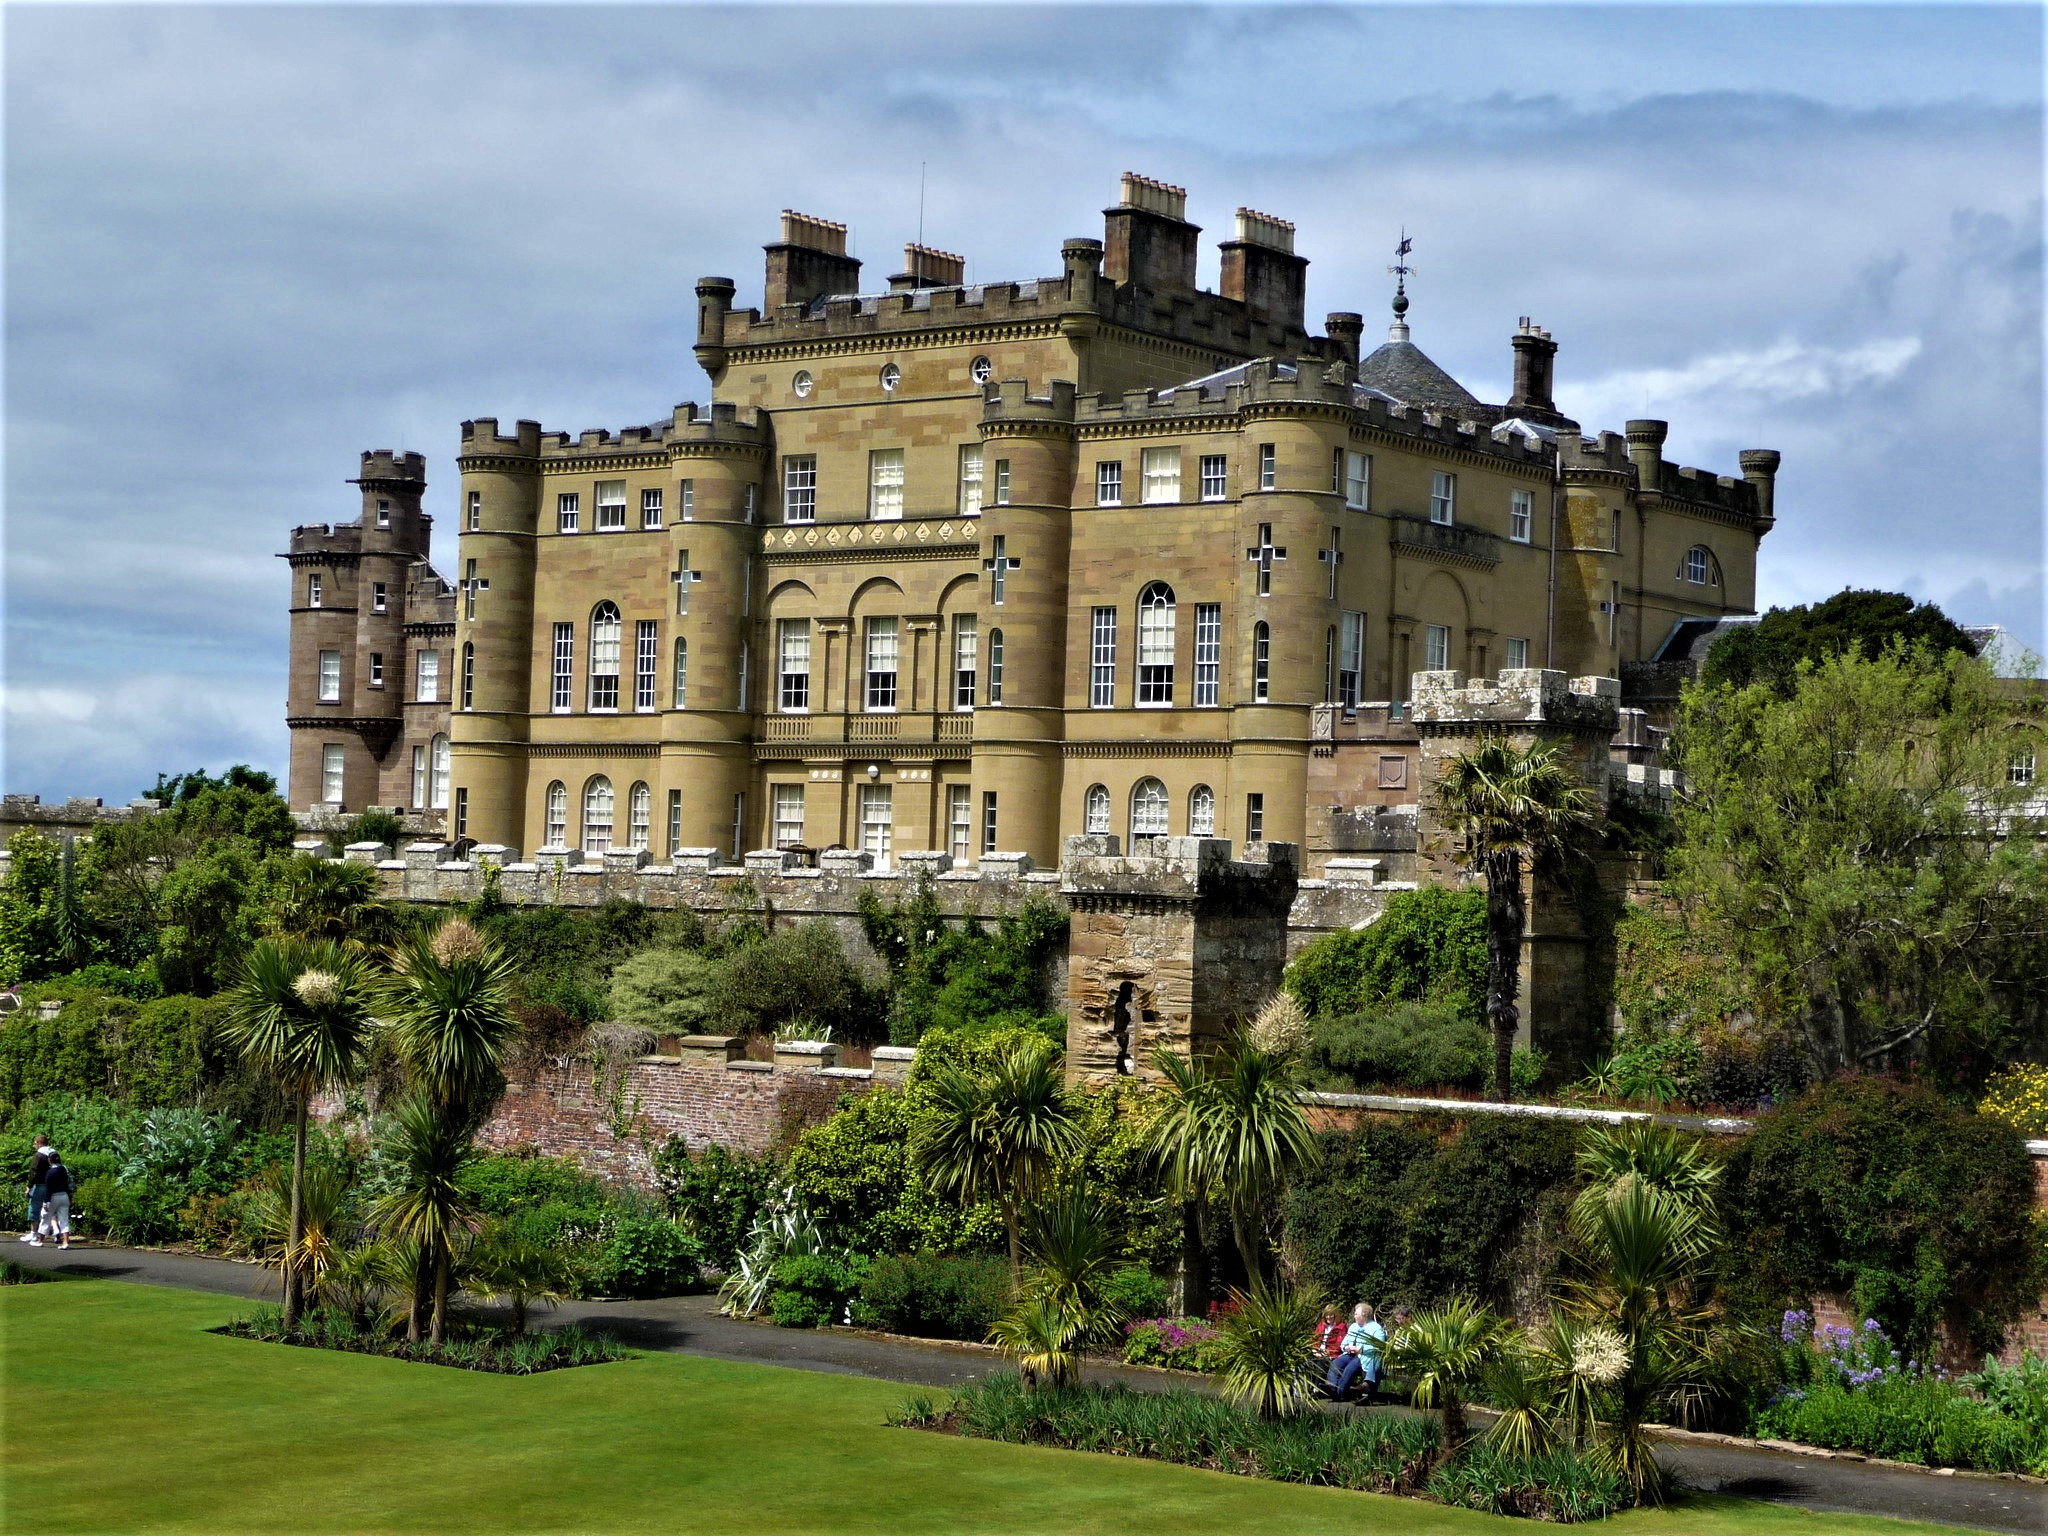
(1516, 808)
(299, 1013)
(1446, 1351)
(427, 1204)
(1772, 650)
(1861, 850)
(522, 1271)
(449, 1002)
(32, 943)
(1648, 1345)
(448, 999)
(997, 1134)
(174, 789)
(1232, 1128)
(670, 991)
(313, 898)
(1268, 1339)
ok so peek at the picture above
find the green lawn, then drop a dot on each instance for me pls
(122, 1413)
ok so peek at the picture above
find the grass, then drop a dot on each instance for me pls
(144, 1420)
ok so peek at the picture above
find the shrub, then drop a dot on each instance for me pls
(135, 1214)
(669, 991)
(1433, 1207)
(185, 1149)
(811, 1290)
(799, 972)
(138, 984)
(1410, 1045)
(1176, 1343)
(506, 1183)
(1134, 1291)
(1656, 1067)
(1883, 1191)
(715, 1194)
(373, 827)
(934, 1296)
(963, 977)
(854, 1171)
(647, 1256)
(1427, 944)
(1911, 1418)
(1557, 1485)
(2019, 1097)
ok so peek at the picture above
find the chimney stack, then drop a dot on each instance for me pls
(926, 266)
(1535, 366)
(808, 261)
(1646, 452)
(1147, 241)
(1760, 469)
(1261, 271)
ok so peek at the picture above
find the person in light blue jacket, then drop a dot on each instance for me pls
(1359, 1355)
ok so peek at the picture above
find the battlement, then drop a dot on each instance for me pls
(77, 816)
(1638, 454)
(481, 436)
(385, 470)
(1441, 702)
(1268, 383)
(1190, 871)
(1011, 400)
(318, 541)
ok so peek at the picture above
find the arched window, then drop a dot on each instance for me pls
(1095, 809)
(995, 666)
(1700, 567)
(468, 675)
(1148, 809)
(1155, 645)
(682, 673)
(556, 832)
(597, 816)
(604, 656)
(1262, 662)
(639, 817)
(1202, 812)
(437, 772)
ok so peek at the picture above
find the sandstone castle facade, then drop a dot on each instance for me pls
(969, 569)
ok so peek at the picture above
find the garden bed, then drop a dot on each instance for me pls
(1367, 1453)
(479, 1349)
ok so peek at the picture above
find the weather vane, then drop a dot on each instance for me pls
(1400, 271)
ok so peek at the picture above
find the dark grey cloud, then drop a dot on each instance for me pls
(245, 243)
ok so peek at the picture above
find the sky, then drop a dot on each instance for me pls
(243, 244)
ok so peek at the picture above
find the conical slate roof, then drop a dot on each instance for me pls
(1403, 370)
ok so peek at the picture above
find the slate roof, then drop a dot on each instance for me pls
(1403, 370)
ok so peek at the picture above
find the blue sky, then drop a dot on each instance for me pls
(245, 243)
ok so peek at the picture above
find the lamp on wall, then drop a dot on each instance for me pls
(874, 771)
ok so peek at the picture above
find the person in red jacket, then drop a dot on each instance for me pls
(1329, 1334)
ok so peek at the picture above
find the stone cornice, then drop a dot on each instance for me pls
(335, 557)
(908, 339)
(909, 539)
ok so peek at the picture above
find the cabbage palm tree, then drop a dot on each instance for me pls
(1233, 1128)
(1651, 1154)
(429, 1152)
(1000, 1135)
(1515, 807)
(1446, 1351)
(326, 1224)
(1267, 1341)
(1040, 1335)
(1066, 1238)
(299, 1012)
(1638, 1282)
(449, 1005)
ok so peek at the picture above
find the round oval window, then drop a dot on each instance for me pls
(801, 384)
(982, 370)
(891, 376)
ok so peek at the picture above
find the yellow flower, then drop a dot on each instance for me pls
(2018, 1096)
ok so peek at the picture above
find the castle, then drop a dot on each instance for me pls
(972, 568)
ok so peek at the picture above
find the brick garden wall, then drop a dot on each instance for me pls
(562, 1110)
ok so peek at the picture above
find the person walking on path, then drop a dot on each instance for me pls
(56, 1201)
(37, 1170)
